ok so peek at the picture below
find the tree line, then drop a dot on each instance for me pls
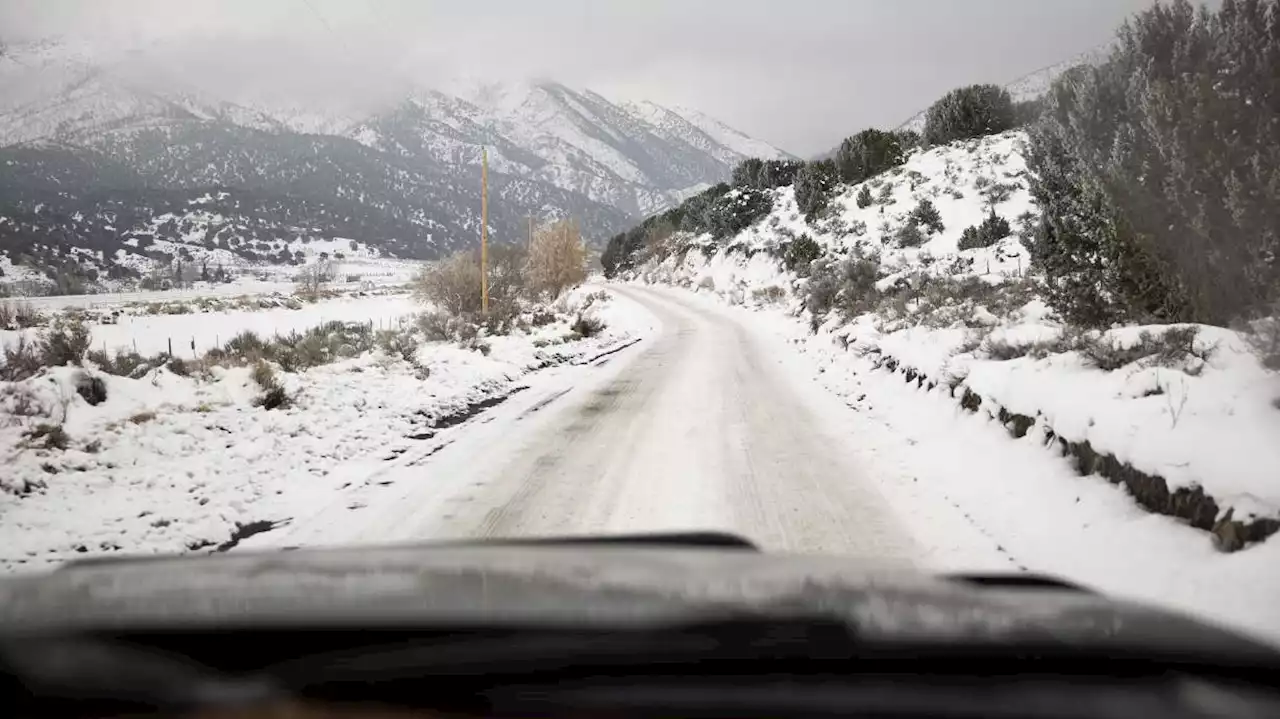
(728, 208)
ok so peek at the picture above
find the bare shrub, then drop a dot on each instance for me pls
(848, 285)
(21, 360)
(273, 394)
(246, 346)
(587, 326)
(772, 294)
(47, 436)
(557, 260)
(124, 363)
(180, 367)
(398, 343)
(19, 315)
(19, 401)
(311, 282)
(264, 375)
(142, 417)
(445, 327)
(274, 398)
(452, 284)
(1171, 348)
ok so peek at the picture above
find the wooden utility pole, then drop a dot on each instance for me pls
(484, 230)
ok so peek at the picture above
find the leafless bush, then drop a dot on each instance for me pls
(47, 436)
(19, 315)
(124, 363)
(399, 343)
(587, 326)
(273, 394)
(772, 294)
(451, 285)
(445, 327)
(247, 346)
(21, 360)
(1175, 347)
(1171, 348)
(848, 285)
(946, 301)
(557, 260)
(311, 282)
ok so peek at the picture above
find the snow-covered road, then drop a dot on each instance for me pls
(697, 427)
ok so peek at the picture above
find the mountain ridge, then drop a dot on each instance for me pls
(407, 175)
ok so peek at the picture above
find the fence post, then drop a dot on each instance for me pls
(170, 346)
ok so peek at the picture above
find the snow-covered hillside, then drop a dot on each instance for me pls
(1182, 416)
(1140, 460)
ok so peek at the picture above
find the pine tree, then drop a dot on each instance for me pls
(814, 183)
(973, 111)
(1159, 171)
(867, 154)
(864, 198)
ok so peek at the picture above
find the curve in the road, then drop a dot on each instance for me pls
(696, 429)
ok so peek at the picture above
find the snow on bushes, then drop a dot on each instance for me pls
(962, 307)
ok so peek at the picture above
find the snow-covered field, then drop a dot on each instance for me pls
(192, 335)
(357, 269)
(176, 463)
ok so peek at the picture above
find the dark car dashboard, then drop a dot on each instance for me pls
(614, 629)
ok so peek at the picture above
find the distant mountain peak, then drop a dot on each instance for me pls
(115, 140)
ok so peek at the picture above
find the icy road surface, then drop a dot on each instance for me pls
(695, 428)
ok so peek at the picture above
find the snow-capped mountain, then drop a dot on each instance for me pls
(638, 157)
(81, 137)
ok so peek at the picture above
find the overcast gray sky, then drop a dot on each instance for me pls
(798, 73)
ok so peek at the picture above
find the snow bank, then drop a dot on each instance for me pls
(977, 500)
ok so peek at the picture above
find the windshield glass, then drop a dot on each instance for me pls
(980, 286)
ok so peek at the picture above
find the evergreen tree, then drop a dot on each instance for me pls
(973, 111)
(747, 173)
(867, 154)
(1159, 171)
(864, 198)
(814, 184)
(779, 173)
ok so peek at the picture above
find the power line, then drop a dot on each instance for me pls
(320, 17)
